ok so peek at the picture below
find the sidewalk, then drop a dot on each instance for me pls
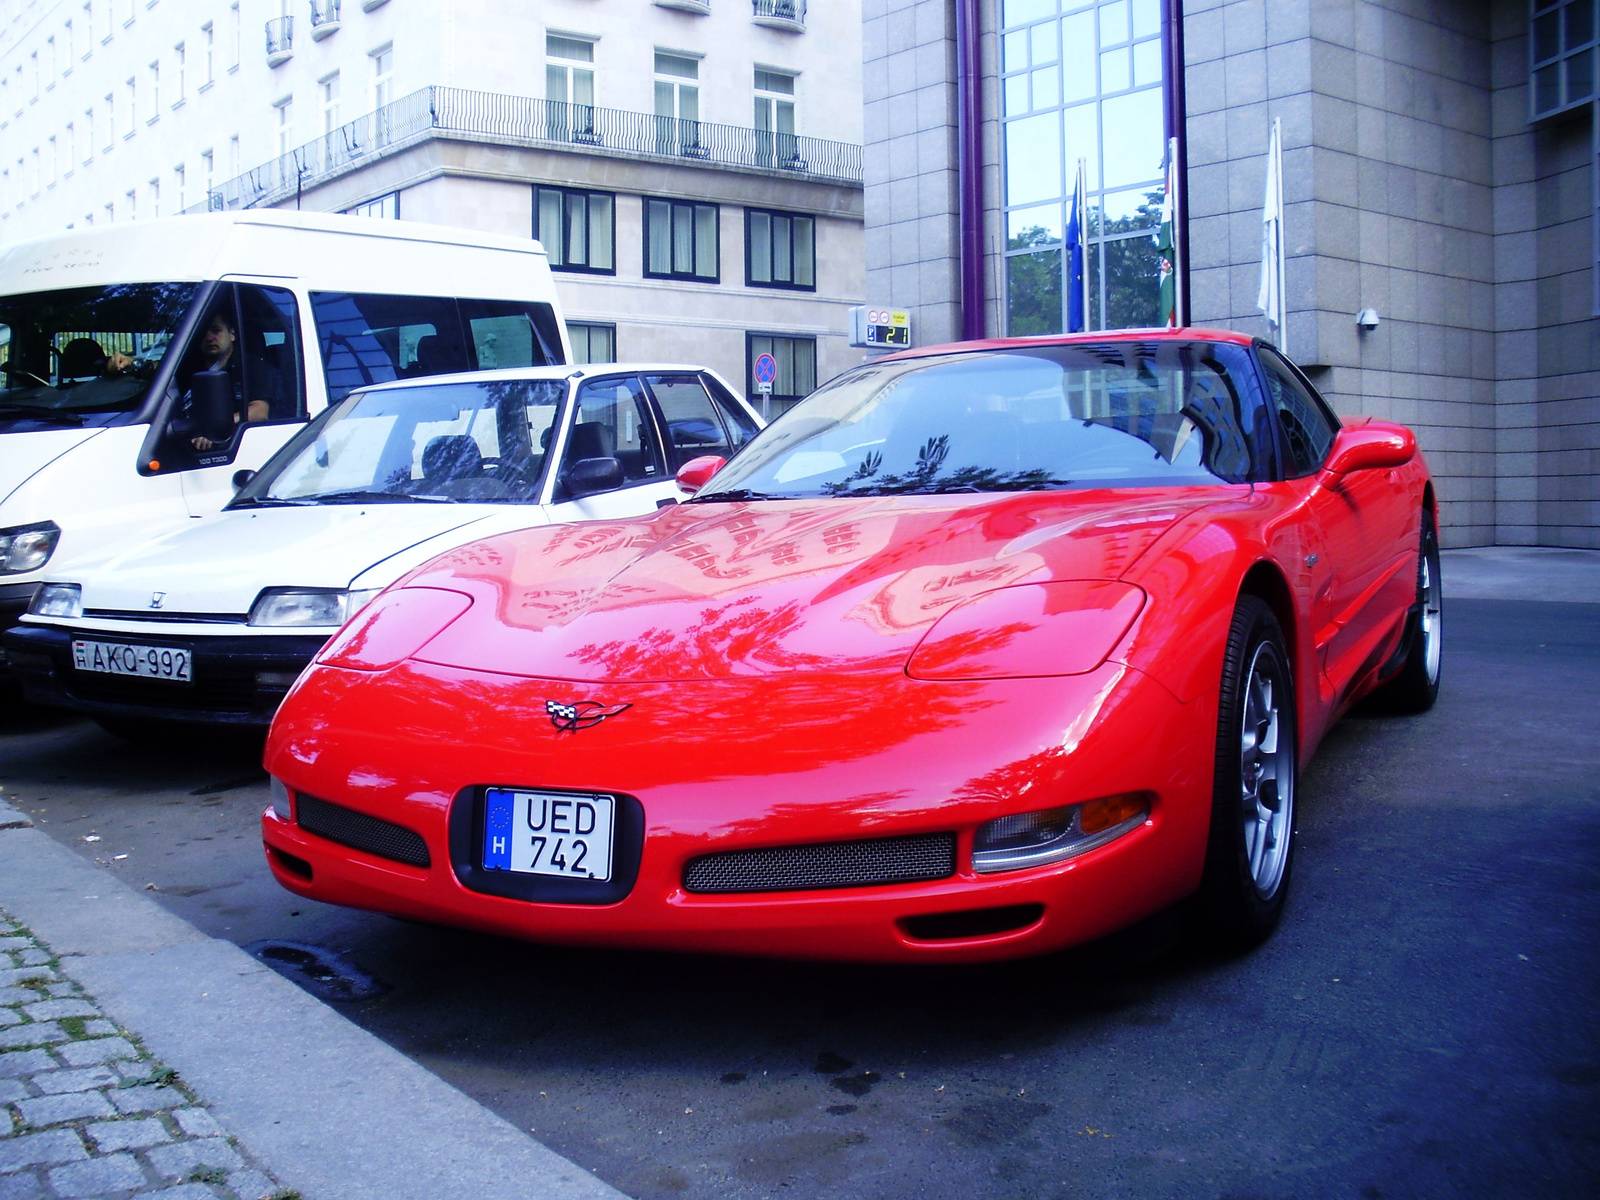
(1521, 573)
(274, 1093)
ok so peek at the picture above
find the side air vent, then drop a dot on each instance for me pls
(360, 831)
(870, 863)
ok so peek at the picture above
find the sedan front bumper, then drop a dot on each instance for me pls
(239, 680)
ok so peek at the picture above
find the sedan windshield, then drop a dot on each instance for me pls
(1084, 415)
(89, 349)
(479, 442)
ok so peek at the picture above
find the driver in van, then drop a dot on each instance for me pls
(219, 351)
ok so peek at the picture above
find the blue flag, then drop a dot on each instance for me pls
(1077, 292)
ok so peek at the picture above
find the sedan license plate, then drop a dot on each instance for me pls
(548, 833)
(118, 658)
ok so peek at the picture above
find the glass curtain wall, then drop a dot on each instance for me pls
(1082, 82)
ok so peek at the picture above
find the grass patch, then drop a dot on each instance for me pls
(73, 1026)
(208, 1175)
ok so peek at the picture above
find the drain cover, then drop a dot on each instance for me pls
(326, 975)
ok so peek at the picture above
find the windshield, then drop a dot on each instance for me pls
(482, 442)
(1113, 414)
(89, 349)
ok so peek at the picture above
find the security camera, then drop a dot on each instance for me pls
(1367, 320)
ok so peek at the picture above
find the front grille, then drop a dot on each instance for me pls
(188, 618)
(826, 865)
(360, 832)
(214, 694)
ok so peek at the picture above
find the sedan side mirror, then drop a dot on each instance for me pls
(242, 477)
(589, 476)
(697, 472)
(212, 395)
(1372, 446)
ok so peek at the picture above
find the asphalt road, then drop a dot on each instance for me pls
(1421, 1025)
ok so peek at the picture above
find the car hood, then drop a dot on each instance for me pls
(24, 455)
(218, 564)
(710, 590)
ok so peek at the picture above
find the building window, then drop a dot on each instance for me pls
(1562, 38)
(285, 124)
(88, 136)
(382, 76)
(680, 240)
(50, 62)
(1082, 87)
(775, 140)
(233, 17)
(131, 88)
(578, 228)
(678, 105)
(387, 207)
(592, 343)
(796, 358)
(330, 102)
(780, 250)
(155, 197)
(180, 177)
(155, 92)
(208, 166)
(208, 37)
(180, 60)
(569, 87)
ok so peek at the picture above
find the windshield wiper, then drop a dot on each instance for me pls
(268, 502)
(357, 496)
(740, 494)
(41, 414)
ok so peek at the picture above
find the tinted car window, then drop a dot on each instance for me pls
(613, 422)
(1113, 414)
(693, 425)
(741, 425)
(1307, 429)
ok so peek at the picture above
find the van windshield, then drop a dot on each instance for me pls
(69, 353)
(451, 442)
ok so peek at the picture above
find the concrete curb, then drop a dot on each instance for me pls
(325, 1106)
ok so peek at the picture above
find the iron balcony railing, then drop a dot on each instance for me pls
(781, 10)
(280, 39)
(324, 18)
(518, 120)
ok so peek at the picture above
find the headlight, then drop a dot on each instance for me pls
(1066, 627)
(1038, 838)
(57, 600)
(27, 547)
(281, 804)
(299, 607)
(394, 627)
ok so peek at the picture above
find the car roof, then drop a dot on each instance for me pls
(553, 371)
(1160, 333)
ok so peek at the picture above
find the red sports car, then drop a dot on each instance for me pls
(978, 652)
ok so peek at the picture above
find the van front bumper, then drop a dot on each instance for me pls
(14, 601)
(238, 680)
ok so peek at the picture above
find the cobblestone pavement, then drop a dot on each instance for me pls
(85, 1112)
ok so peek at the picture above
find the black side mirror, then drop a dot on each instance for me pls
(212, 396)
(588, 476)
(241, 477)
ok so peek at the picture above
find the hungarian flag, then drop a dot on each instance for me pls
(1166, 246)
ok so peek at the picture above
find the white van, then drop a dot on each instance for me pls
(107, 436)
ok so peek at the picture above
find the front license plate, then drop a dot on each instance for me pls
(548, 833)
(117, 658)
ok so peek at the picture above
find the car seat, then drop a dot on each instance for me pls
(450, 457)
(81, 358)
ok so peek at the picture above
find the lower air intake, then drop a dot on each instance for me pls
(826, 865)
(360, 832)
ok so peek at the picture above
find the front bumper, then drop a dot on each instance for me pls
(737, 765)
(14, 601)
(228, 687)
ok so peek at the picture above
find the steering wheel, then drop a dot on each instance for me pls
(13, 370)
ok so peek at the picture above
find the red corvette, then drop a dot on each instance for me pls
(979, 652)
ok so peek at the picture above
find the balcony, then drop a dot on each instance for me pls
(369, 5)
(280, 41)
(788, 15)
(488, 117)
(324, 19)
(699, 7)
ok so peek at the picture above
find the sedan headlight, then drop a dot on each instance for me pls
(57, 600)
(1037, 839)
(306, 607)
(27, 547)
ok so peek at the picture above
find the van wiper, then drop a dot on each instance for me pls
(41, 414)
(360, 497)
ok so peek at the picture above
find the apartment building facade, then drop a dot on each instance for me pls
(693, 166)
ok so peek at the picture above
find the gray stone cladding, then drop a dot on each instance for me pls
(85, 1112)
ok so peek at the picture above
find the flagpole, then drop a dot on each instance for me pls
(1178, 184)
(1083, 236)
(1277, 175)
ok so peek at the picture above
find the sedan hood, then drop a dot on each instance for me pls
(709, 590)
(218, 564)
(24, 455)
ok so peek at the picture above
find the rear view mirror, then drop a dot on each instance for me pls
(589, 476)
(242, 477)
(1371, 446)
(212, 395)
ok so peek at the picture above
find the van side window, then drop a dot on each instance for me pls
(374, 339)
(251, 335)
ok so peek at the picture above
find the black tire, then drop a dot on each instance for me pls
(1250, 850)
(1415, 687)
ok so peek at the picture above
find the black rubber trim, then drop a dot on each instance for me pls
(466, 853)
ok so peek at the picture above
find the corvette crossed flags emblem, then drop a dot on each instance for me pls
(569, 718)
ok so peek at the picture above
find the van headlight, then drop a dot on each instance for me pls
(306, 607)
(57, 600)
(27, 547)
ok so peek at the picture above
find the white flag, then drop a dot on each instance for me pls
(1270, 300)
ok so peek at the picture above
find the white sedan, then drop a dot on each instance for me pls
(213, 622)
